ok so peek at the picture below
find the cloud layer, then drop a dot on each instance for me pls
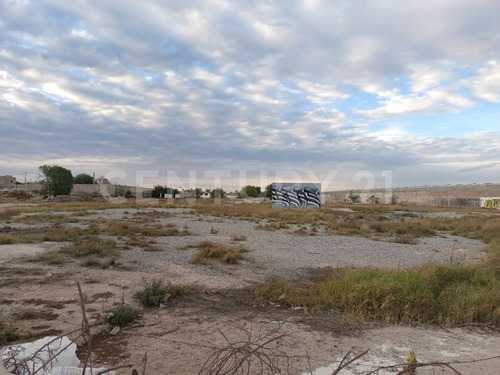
(301, 85)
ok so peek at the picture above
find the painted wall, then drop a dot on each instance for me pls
(490, 202)
(290, 195)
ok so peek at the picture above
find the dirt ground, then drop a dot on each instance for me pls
(181, 337)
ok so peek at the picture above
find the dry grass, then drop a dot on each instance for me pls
(52, 257)
(34, 314)
(112, 228)
(48, 303)
(61, 234)
(211, 251)
(6, 215)
(21, 271)
(237, 238)
(5, 239)
(45, 219)
(91, 246)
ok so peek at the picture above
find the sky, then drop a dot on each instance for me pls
(351, 94)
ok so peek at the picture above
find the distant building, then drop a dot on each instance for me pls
(7, 182)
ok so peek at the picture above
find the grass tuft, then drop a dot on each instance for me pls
(95, 246)
(52, 257)
(5, 239)
(211, 251)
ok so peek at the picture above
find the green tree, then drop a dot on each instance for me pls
(83, 178)
(217, 193)
(58, 180)
(269, 191)
(158, 190)
(251, 191)
(354, 198)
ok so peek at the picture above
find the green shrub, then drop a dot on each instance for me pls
(123, 315)
(154, 294)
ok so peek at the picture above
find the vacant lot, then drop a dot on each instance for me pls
(198, 284)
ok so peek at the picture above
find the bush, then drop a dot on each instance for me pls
(83, 178)
(154, 294)
(123, 315)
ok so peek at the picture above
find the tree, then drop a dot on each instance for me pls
(250, 191)
(354, 198)
(217, 193)
(83, 178)
(269, 191)
(58, 180)
(158, 191)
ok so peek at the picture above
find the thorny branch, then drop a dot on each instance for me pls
(344, 364)
(258, 352)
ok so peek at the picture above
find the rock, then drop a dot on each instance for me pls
(115, 331)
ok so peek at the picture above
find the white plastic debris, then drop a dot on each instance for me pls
(51, 355)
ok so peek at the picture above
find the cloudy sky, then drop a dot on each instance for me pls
(348, 93)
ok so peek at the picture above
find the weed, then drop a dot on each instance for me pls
(94, 261)
(406, 238)
(58, 234)
(237, 237)
(91, 246)
(123, 230)
(209, 250)
(5, 239)
(53, 257)
(8, 334)
(47, 303)
(123, 315)
(21, 271)
(31, 314)
(8, 214)
(213, 231)
(446, 295)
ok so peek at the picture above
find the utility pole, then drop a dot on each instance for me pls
(25, 174)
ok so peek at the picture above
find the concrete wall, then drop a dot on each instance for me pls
(7, 181)
(458, 195)
(109, 190)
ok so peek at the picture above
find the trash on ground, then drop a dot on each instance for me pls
(38, 356)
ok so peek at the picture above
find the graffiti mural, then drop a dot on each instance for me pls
(290, 195)
(490, 202)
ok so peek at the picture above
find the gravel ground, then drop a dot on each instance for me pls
(280, 253)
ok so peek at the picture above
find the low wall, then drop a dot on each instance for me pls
(111, 190)
(458, 195)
